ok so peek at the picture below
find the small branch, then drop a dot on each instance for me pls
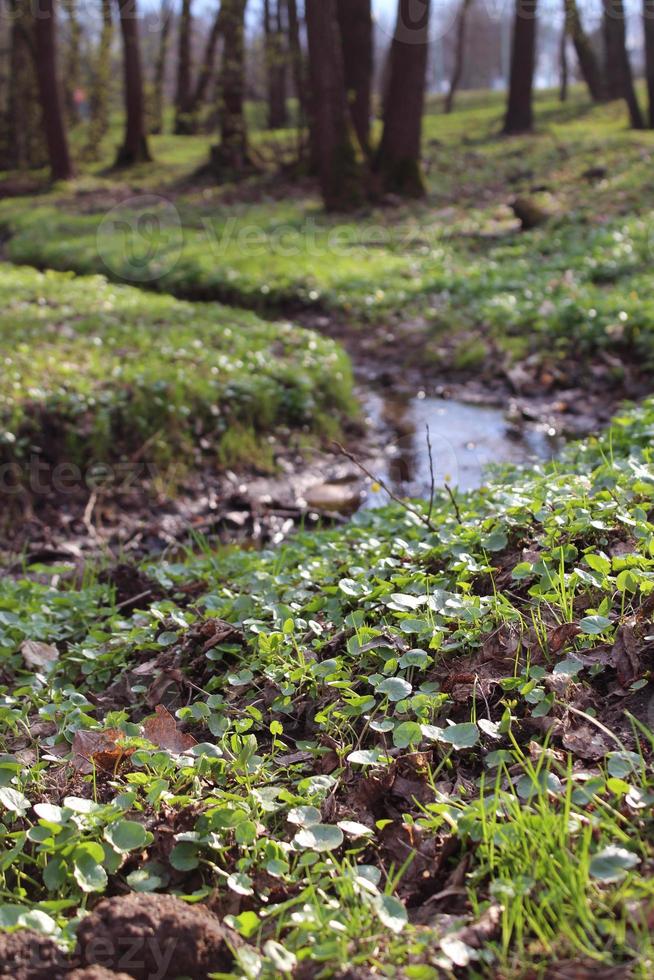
(450, 494)
(423, 518)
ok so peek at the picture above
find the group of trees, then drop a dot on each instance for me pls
(324, 52)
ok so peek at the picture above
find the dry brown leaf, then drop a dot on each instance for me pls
(560, 635)
(161, 729)
(39, 655)
(97, 749)
(624, 656)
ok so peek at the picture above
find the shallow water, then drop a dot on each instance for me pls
(465, 440)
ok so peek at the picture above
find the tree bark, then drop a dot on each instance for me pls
(459, 54)
(135, 144)
(99, 99)
(397, 161)
(231, 156)
(588, 63)
(563, 64)
(208, 62)
(166, 13)
(183, 125)
(620, 81)
(275, 65)
(22, 134)
(519, 113)
(356, 27)
(648, 25)
(45, 28)
(339, 170)
(72, 61)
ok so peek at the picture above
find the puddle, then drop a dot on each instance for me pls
(465, 440)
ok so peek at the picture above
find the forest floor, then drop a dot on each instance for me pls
(417, 745)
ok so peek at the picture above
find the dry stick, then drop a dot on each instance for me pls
(450, 494)
(423, 518)
(432, 480)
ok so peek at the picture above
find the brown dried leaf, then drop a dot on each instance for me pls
(161, 729)
(586, 742)
(624, 656)
(39, 655)
(97, 749)
(560, 635)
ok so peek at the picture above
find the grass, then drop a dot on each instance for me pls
(96, 372)
(396, 709)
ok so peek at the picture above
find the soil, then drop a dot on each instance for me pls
(28, 955)
(154, 936)
(97, 973)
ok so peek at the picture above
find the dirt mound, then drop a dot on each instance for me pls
(97, 973)
(150, 936)
(27, 955)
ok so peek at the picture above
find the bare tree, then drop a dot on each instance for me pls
(276, 64)
(207, 66)
(23, 145)
(99, 98)
(357, 38)
(648, 25)
(231, 155)
(519, 112)
(619, 77)
(165, 28)
(588, 63)
(398, 159)
(563, 64)
(45, 37)
(459, 53)
(339, 170)
(135, 145)
(183, 125)
(72, 73)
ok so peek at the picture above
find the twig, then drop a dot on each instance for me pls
(423, 518)
(432, 480)
(450, 494)
(88, 514)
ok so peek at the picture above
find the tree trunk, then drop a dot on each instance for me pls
(339, 171)
(648, 25)
(563, 64)
(398, 158)
(231, 156)
(72, 62)
(45, 40)
(99, 100)
(297, 59)
(356, 26)
(619, 76)
(22, 137)
(183, 125)
(166, 12)
(519, 113)
(135, 144)
(275, 65)
(588, 63)
(459, 54)
(207, 67)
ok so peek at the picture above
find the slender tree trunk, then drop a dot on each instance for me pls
(183, 95)
(299, 76)
(519, 113)
(23, 144)
(166, 13)
(459, 53)
(340, 173)
(588, 63)
(72, 61)
(563, 65)
(231, 156)
(207, 66)
(99, 100)
(45, 38)
(135, 144)
(398, 158)
(648, 25)
(618, 67)
(274, 41)
(356, 26)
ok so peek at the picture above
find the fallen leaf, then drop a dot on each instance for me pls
(161, 729)
(39, 655)
(560, 635)
(99, 749)
(624, 656)
(586, 742)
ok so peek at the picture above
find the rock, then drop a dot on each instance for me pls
(153, 935)
(29, 955)
(530, 212)
(344, 498)
(595, 173)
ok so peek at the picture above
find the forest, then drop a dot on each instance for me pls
(326, 489)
